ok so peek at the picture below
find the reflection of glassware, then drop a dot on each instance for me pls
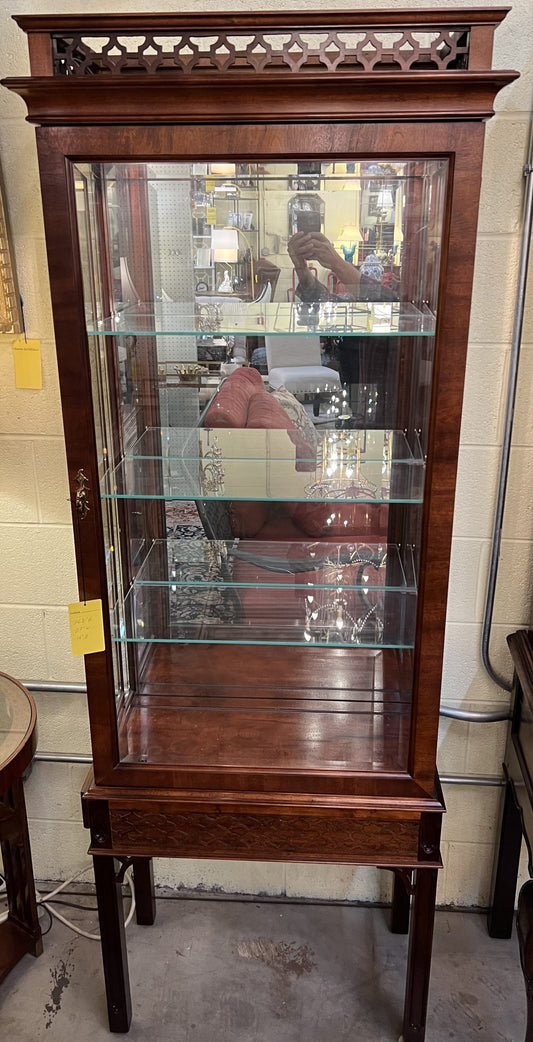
(212, 472)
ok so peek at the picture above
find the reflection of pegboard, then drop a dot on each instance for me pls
(172, 252)
(171, 223)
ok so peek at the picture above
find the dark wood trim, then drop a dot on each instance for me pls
(404, 18)
(113, 942)
(419, 957)
(143, 882)
(196, 98)
(501, 912)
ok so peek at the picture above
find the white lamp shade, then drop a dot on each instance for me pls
(225, 245)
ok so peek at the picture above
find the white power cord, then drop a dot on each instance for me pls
(46, 898)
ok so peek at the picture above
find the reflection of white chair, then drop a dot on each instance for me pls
(294, 362)
(265, 295)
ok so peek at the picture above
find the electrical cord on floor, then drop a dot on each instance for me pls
(45, 901)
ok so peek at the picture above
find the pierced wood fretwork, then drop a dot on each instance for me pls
(207, 50)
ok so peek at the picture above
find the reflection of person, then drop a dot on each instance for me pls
(313, 246)
(357, 365)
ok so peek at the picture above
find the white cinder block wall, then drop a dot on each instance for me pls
(37, 577)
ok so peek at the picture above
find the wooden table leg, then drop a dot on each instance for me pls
(524, 926)
(143, 882)
(113, 941)
(419, 959)
(22, 928)
(501, 912)
(401, 902)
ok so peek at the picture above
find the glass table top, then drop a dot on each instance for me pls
(16, 717)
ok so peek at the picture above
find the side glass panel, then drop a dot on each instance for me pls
(261, 338)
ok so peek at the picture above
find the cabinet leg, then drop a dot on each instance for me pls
(18, 868)
(524, 926)
(419, 958)
(113, 941)
(143, 882)
(501, 912)
(401, 902)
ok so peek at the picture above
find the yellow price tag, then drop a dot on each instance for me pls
(28, 371)
(86, 627)
(211, 215)
(209, 185)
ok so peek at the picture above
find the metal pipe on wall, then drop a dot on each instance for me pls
(508, 423)
(49, 687)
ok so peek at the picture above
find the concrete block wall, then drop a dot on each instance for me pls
(37, 577)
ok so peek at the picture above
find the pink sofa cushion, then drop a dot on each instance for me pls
(266, 413)
(229, 408)
(247, 517)
(335, 520)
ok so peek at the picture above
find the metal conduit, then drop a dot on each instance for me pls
(508, 424)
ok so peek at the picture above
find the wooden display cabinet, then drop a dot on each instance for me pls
(273, 596)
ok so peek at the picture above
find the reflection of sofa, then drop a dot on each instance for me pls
(302, 570)
(243, 402)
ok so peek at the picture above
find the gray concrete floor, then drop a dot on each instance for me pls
(251, 971)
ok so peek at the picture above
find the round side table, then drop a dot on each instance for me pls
(20, 932)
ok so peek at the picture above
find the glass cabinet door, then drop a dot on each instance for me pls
(261, 338)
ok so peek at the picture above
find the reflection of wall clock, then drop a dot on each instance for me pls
(201, 287)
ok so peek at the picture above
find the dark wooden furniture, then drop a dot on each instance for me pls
(517, 819)
(275, 739)
(20, 932)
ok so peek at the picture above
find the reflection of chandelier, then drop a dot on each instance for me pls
(342, 476)
(331, 614)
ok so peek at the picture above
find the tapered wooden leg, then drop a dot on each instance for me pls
(143, 882)
(524, 926)
(401, 903)
(419, 959)
(113, 941)
(501, 912)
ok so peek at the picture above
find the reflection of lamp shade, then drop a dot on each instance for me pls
(384, 199)
(225, 169)
(225, 245)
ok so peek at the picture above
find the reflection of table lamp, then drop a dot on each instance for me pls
(225, 246)
(384, 204)
(348, 242)
(398, 218)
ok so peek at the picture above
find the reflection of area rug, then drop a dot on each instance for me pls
(183, 520)
(190, 605)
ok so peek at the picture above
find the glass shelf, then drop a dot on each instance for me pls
(269, 465)
(319, 564)
(226, 315)
(357, 595)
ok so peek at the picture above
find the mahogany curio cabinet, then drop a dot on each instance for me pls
(261, 234)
